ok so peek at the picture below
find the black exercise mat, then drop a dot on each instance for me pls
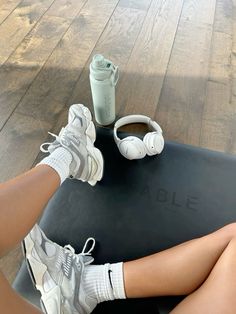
(141, 207)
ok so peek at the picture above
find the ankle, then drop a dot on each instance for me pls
(104, 282)
(60, 160)
(96, 285)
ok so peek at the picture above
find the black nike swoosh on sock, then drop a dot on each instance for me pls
(109, 275)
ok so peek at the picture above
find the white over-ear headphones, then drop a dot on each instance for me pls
(132, 147)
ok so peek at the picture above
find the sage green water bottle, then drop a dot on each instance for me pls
(103, 79)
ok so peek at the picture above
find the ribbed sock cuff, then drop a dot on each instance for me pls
(96, 282)
(118, 280)
(59, 160)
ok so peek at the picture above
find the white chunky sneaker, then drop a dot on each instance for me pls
(57, 273)
(78, 137)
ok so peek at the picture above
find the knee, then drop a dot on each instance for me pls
(230, 254)
(229, 231)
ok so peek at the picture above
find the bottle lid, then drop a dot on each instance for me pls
(102, 69)
(99, 61)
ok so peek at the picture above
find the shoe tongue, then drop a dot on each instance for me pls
(50, 249)
(87, 259)
(76, 123)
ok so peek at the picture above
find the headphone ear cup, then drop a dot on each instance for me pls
(154, 143)
(132, 147)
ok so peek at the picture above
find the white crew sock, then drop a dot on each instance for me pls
(60, 160)
(104, 282)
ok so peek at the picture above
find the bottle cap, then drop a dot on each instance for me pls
(99, 61)
(102, 69)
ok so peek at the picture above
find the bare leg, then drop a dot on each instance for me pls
(217, 293)
(22, 201)
(179, 270)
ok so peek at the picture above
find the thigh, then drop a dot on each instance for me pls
(205, 301)
(217, 294)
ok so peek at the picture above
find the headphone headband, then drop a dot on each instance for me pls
(135, 118)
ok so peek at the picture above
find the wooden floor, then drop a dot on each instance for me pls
(177, 62)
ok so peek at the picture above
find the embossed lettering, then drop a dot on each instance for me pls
(162, 196)
(192, 202)
(174, 201)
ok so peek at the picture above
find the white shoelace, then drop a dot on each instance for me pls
(45, 150)
(71, 250)
(62, 138)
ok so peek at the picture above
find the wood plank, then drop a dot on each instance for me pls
(19, 71)
(182, 99)
(116, 43)
(219, 116)
(6, 7)
(66, 9)
(51, 89)
(22, 67)
(40, 42)
(21, 138)
(233, 54)
(14, 81)
(219, 81)
(135, 4)
(19, 23)
(61, 121)
(224, 16)
(139, 89)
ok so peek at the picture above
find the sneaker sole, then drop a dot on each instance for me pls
(97, 156)
(51, 298)
(40, 269)
(91, 137)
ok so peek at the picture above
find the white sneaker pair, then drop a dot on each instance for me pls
(78, 138)
(57, 272)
